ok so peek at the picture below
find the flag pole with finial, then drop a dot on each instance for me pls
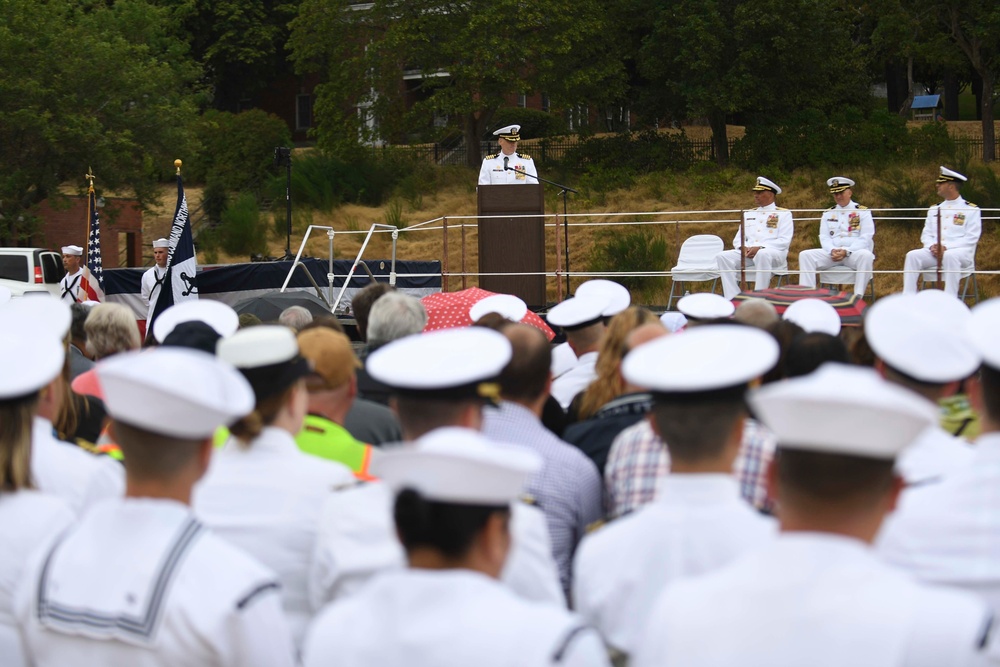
(178, 163)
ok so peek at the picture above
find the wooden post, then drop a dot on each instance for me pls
(464, 269)
(444, 255)
(559, 285)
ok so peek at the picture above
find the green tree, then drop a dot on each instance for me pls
(87, 85)
(461, 59)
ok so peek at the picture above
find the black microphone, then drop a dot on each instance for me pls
(505, 167)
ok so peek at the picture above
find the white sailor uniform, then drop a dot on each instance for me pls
(520, 166)
(961, 225)
(69, 287)
(141, 583)
(849, 228)
(768, 227)
(152, 284)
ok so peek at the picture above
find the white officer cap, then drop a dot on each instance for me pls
(982, 328)
(766, 184)
(267, 356)
(510, 133)
(674, 322)
(46, 313)
(30, 357)
(910, 335)
(459, 466)
(618, 295)
(174, 391)
(842, 409)
(839, 184)
(706, 306)
(702, 359)
(72, 250)
(506, 305)
(949, 176)
(4, 295)
(161, 243)
(814, 315)
(221, 317)
(446, 363)
(578, 312)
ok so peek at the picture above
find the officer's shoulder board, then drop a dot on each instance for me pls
(524, 156)
(779, 208)
(862, 207)
(831, 208)
(491, 157)
(969, 203)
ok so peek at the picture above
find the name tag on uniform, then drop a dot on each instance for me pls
(772, 221)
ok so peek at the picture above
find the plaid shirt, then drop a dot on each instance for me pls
(639, 460)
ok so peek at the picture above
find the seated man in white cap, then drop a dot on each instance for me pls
(699, 522)
(152, 279)
(508, 166)
(69, 285)
(817, 594)
(441, 379)
(140, 581)
(948, 533)
(582, 320)
(768, 232)
(846, 234)
(961, 225)
(453, 497)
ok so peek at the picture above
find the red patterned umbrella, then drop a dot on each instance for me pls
(850, 307)
(447, 310)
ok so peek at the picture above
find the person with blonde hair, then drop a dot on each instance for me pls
(111, 329)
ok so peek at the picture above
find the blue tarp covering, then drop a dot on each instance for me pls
(925, 101)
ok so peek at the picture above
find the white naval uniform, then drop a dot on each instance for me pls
(493, 173)
(151, 287)
(267, 499)
(358, 541)
(697, 524)
(563, 359)
(768, 227)
(849, 228)
(932, 456)
(444, 618)
(78, 477)
(949, 533)
(69, 287)
(812, 599)
(576, 379)
(961, 225)
(139, 582)
(28, 520)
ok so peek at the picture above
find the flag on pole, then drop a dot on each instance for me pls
(92, 280)
(179, 282)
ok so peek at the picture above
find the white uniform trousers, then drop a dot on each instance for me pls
(952, 265)
(728, 262)
(817, 259)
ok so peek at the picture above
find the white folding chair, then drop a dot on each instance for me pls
(695, 263)
(967, 276)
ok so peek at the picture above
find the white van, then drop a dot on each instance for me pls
(30, 270)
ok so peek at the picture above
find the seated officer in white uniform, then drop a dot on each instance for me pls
(439, 380)
(508, 166)
(948, 533)
(140, 581)
(817, 595)
(846, 234)
(452, 508)
(961, 225)
(698, 522)
(582, 320)
(262, 493)
(69, 285)
(768, 230)
(31, 357)
(917, 348)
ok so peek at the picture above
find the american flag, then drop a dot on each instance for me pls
(92, 280)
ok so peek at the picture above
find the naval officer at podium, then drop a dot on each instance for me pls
(508, 166)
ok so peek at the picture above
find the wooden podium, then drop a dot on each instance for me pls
(513, 245)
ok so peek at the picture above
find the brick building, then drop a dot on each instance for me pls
(65, 223)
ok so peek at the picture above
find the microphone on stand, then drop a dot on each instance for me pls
(505, 167)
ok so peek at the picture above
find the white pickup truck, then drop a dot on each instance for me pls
(30, 270)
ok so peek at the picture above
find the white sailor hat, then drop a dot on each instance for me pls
(982, 329)
(458, 466)
(706, 306)
(161, 243)
(30, 359)
(4, 295)
(174, 391)
(72, 250)
(673, 321)
(578, 312)
(910, 336)
(46, 314)
(950, 176)
(703, 359)
(839, 184)
(215, 314)
(506, 305)
(267, 356)
(439, 364)
(767, 184)
(814, 315)
(842, 409)
(619, 296)
(510, 133)
(948, 308)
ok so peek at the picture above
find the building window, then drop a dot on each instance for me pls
(522, 100)
(546, 105)
(303, 112)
